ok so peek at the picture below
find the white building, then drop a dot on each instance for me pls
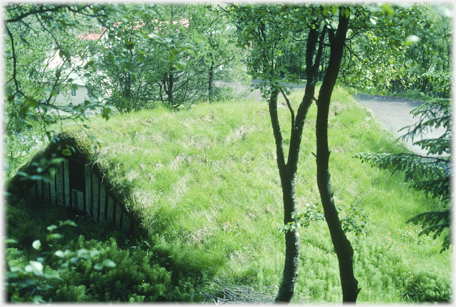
(76, 96)
(79, 93)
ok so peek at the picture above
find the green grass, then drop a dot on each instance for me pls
(409, 94)
(206, 185)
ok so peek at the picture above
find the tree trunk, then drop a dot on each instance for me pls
(292, 243)
(289, 170)
(169, 88)
(341, 244)
(211, 81)
(292, 240)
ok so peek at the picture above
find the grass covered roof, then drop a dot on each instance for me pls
(205, 185)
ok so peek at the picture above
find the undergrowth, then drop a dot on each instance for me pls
(140, 274)
(207, 188)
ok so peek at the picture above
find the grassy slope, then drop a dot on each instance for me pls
(207, 186)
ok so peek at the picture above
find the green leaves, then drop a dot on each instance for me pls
(387, 8)
(273, 33)
(105, 264)
(303, 219)
(53, 236)
(355, 221)
(29, 103)
(345, 11)
(51, 228)
(66, 152)
(329, 8)
(35, 267)
(129, 45)
(154, 36)
(105, 113)
(52, 275)
(87, 254)
(59, 254)
(27, 284)
(11, 241)
(67, 223)
(36, 244)
(436, 223)
(411, 39)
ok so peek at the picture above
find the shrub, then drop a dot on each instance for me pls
(427, 288)
(77, 269)
(137, 277)
(33, 282)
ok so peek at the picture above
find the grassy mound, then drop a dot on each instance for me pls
(206, 187)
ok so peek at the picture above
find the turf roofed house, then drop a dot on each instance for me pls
(77, 184)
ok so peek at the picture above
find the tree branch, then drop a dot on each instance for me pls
(35, 12)
(289, 108)
(16, 84)
(277, 133)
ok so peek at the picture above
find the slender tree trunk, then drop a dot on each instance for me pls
(292, 240)
(289, 170)
(341, 244)
(170, 88)
(211, 81)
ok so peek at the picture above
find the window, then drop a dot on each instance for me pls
(73, 91)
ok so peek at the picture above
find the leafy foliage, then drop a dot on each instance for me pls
(427, 288)
(131, 63)
(137, 277)
(437, 223)
(355, 221)
(303, 219)
(429, 174)
(87, 263)
(43, 58)
(34, 281)
(393, 48)
(169, 58)
(434, 114)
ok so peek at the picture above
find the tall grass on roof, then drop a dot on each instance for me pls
(205, 185)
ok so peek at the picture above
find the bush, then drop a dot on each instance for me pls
(136, 278)
(78, 267)
(427, 288)
(33, 282)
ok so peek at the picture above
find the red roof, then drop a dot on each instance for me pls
(92, 36)
(97, 36)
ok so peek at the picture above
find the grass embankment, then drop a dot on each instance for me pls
(410, 94)
(206, 184)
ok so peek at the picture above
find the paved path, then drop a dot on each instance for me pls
(394, 113)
